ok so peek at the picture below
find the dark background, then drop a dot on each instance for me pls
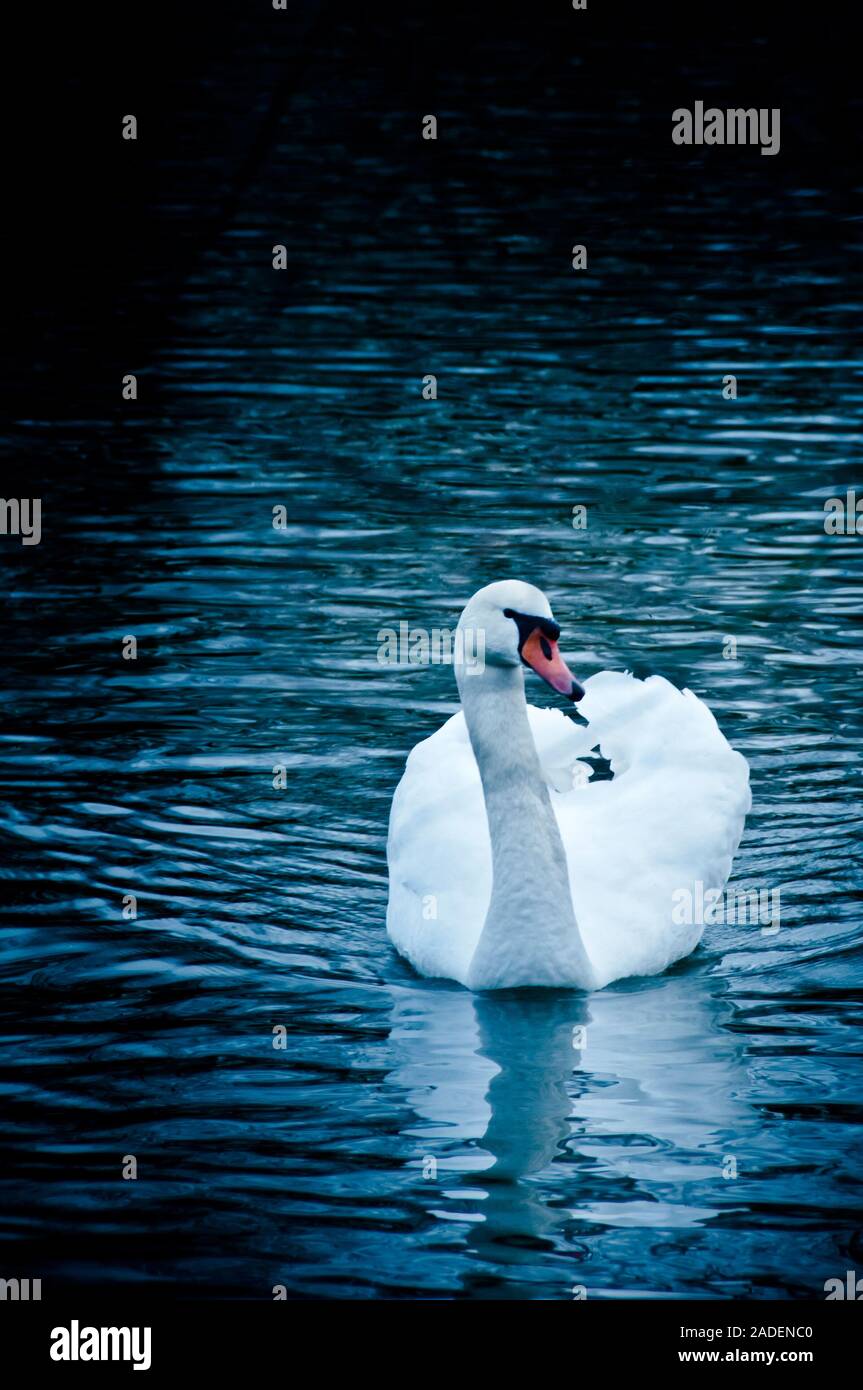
(103, 231)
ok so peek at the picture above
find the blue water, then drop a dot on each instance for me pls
(412, 1139)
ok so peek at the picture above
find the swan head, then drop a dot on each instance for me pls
(512, 624)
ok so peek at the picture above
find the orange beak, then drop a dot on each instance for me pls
(542, 655)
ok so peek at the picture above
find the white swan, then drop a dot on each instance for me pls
(506, 868)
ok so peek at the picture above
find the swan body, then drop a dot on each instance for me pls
(508, 868)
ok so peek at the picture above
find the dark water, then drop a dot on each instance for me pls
(259, 908)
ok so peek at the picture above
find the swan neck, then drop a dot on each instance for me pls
(530, 934)
(495, 711)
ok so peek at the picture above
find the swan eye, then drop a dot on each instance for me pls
(529, 622)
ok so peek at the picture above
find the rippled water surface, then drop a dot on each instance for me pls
(259, 908)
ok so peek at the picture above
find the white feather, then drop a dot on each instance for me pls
(672, 815)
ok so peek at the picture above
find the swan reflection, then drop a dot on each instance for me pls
(546, 1120)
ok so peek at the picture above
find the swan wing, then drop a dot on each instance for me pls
(671, 817)
(439, 855)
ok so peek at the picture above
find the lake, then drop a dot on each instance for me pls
(303, 1110)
